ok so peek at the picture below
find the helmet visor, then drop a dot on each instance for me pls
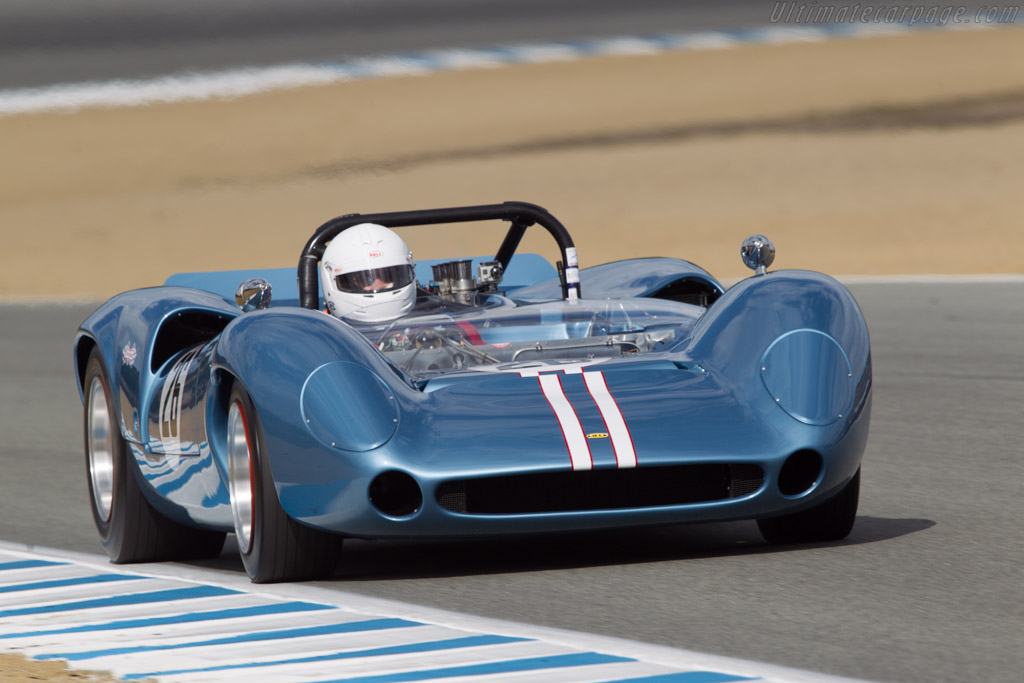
(375, 280)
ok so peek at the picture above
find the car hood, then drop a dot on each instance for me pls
(662, 411)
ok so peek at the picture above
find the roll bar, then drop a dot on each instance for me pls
(521, 214)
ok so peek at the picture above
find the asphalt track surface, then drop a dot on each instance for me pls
(927, 587)
(45, 43)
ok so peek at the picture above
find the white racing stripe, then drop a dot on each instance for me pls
(622, 442)
(576, 441)
(572, 430)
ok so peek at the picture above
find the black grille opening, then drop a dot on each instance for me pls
(604, 489)
(745, 480)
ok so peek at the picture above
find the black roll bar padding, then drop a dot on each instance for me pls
(521, 215)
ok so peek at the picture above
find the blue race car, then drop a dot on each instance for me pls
(506, 396)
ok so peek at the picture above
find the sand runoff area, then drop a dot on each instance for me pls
(883, 155)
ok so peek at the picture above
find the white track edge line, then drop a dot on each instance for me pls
(240, 82)
(659, 654)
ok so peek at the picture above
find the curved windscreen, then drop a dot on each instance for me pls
(501, 331)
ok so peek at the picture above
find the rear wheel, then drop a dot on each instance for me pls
(130, 529)
(273, 546)
(829, 521)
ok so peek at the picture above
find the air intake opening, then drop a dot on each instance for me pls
(800, 472)
(603, 489)
(396, 494)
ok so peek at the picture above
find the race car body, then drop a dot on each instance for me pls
(634, 393)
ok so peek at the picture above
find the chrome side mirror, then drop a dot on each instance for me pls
(253, 294)
(758, 252)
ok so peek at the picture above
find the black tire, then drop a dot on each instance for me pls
(829, 521)
(130, 529)
(274, 547)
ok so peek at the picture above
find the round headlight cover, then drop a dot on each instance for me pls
(808, 374)
(348, 407)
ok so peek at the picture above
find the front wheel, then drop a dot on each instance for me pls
(130, 529)
(273, 546)
(828, 521)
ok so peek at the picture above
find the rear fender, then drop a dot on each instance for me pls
(136, 332)
(659, 277)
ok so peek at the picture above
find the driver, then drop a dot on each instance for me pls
(367, 275)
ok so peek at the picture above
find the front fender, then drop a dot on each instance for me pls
(793, 341)
(324, 394)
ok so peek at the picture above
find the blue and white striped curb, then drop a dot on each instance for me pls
(248, 81)
(177, 624)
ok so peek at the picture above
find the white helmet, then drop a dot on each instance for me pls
(367, 275)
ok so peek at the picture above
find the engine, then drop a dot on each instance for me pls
(454, 280)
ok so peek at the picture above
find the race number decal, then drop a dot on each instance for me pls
(171, 396)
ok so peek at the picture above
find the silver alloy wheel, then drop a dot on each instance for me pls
(100, 450)
(240, 476)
